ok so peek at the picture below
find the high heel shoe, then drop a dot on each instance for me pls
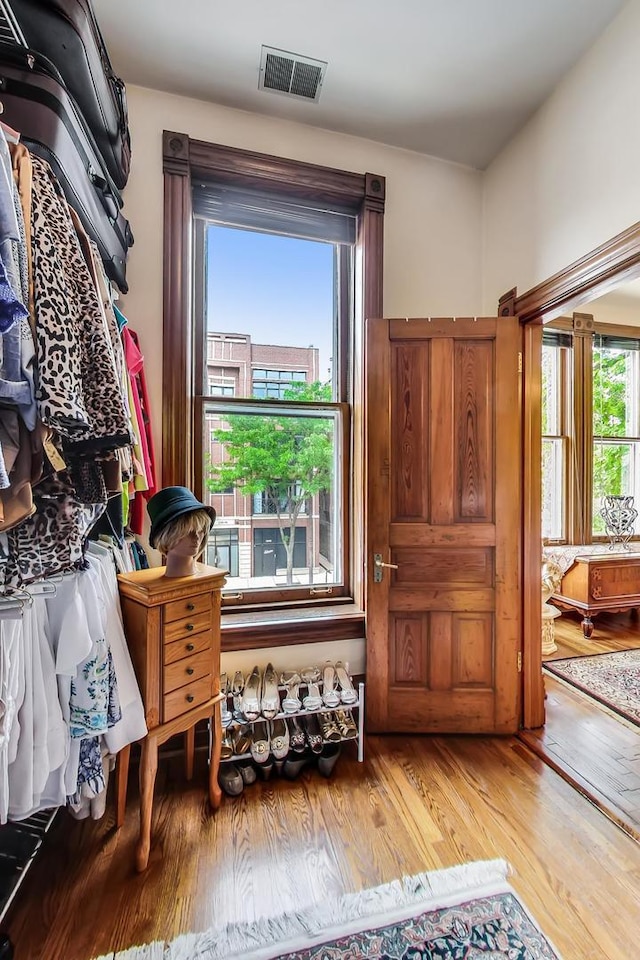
(329, 727)
(270, 698)
(328, 759)
(313, 700)
(251, 696)
(348, 694)
(297, 739)
(242, 739)
(291, 702)
(346, 724)
(260, 744)
(293, 766)
(312, 732)
(226, 715)
(236, 692)
(330, 696)
(279, 735)
(227, 749)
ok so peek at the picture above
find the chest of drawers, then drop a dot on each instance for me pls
(173, 632)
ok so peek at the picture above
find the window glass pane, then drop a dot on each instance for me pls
(616, 472)
(283, 465)
(551, 387)
(553, 489)
(270, 310)
(615, 399)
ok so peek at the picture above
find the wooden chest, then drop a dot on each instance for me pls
(597, 583)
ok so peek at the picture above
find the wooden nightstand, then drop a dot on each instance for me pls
(173, 632)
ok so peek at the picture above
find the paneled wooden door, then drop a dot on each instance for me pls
(443, 434)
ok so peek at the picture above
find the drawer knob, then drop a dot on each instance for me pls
(190, 626)
(190, 698)
(189, 670)
(191, 646)
(191, 606)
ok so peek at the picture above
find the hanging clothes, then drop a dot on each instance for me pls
(78, 391)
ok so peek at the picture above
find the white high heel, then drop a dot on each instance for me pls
(313, 700)
(347, 692)
(291, 702)
(330, 696)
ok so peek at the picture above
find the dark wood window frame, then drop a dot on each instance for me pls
(185, 159)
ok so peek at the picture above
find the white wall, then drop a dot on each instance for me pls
(432, 225)
(571, 179)
(432, 217)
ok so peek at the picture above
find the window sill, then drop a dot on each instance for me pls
(251, 629)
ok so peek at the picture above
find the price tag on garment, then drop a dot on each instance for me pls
(53, 456)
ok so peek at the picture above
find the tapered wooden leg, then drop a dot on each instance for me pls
(148, 770)
(189, 751)
(122, 778)
(215, 793)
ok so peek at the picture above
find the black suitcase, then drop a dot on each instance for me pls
(66, 33)
(38, 106)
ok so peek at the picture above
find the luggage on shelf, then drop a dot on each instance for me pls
(67, 34)
(38, 105)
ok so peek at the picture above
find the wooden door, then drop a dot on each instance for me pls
(444, 515)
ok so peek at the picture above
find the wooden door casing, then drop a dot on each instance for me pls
(444, 505)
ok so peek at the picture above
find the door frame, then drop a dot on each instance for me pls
(599, 271)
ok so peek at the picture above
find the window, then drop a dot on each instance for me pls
(212, 191)
(281, 454)
(590, 429)
(555, 439)
(616, 422)
(274, 384)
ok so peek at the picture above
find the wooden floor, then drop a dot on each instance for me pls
(416, 803)
(596, 750)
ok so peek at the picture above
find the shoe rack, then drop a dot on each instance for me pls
(356, 708)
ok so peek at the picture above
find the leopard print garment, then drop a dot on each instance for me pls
(52, 539)
(78, 393)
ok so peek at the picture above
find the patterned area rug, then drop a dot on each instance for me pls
(463, 913)
(611, 678)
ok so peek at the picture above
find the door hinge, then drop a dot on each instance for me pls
(519, 661)
(519, 361)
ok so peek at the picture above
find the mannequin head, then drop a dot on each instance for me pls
(183, 540)
(180, 526)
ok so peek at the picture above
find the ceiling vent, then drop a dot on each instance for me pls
(291, 74)
(10, 32)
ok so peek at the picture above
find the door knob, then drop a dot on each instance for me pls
(379, 565)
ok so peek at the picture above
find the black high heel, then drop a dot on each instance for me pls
(312, 732)
(297, 739)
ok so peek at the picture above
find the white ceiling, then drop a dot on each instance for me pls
(455, 79)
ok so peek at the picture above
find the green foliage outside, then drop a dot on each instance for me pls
(288, 459)
(610, 419)
(611, 416)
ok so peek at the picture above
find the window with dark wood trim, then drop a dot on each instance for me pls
(188, 163)
(591, 425)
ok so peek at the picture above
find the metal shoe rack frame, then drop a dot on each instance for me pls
(19, 844)
(358, 705)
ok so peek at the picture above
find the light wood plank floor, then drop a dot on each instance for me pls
(593, 748)
(416, 803)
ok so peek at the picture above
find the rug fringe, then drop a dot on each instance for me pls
(240, 941)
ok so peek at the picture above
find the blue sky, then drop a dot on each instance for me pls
(277, 289)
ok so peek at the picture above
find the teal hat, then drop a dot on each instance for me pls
(168, 504)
